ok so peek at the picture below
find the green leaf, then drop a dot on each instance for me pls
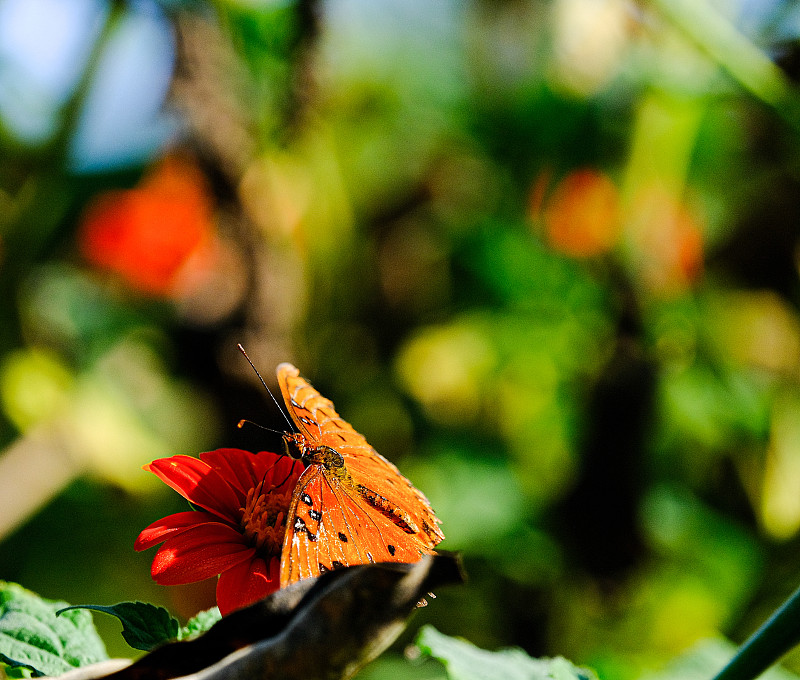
(465, 661)
(33, 637)
(400, 668)
(704, 659)
(144, 626)
(199, 623)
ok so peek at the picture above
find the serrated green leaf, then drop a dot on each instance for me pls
(33, 637)
(199, 623)
(144, 626)
(465, 661)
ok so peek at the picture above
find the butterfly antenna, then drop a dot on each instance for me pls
(244, 422)
(275, 487)
(292, 428)
(260, 486)
(285, 479)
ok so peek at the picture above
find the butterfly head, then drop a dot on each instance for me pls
(297, 446)
(294, 445)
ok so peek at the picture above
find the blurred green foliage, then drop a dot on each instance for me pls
(543, 254)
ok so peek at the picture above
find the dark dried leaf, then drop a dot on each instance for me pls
(323, 628)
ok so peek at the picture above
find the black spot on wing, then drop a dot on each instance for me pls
(391, 549)
(300, 527)
(342, 537)
(316, 515)
(306, 499)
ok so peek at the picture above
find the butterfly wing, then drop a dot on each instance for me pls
(380, 477)
(318, 421)
(314, 415)
(330, 526)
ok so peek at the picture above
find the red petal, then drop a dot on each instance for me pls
(249, 470)
(199, 553)
(200, 484)
(238, 467)
(285, 473)
(171, 525)
(246, 583)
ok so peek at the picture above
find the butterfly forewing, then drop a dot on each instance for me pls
(320, 536)
(313, 414)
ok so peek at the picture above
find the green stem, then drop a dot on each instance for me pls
(769, 643)
(718, 37)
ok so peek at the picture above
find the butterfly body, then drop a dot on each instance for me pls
(298, 447)
(351, 505)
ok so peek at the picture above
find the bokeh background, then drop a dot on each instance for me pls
(543, 254)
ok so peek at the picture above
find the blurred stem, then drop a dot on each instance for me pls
(664, 135)
(42, 459)
(302, 86)
(70, 112)
(45, 198)
(721, 40)
(769, 643)
(46, 202)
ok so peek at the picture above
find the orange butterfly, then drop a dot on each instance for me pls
(350, 505)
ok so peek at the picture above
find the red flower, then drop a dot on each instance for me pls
(237, 533)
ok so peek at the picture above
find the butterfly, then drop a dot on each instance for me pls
(350, 505)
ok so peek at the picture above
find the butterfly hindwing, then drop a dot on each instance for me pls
(381, 477)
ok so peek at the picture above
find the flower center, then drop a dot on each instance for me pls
(264, 520)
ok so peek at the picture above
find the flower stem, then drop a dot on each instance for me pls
(769, 643)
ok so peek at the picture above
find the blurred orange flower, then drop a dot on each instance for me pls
(582, 216)
(147, 235)
(668, 239)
